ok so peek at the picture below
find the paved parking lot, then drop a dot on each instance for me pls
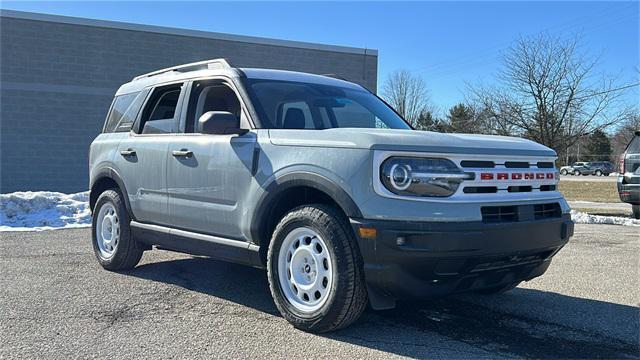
(56, 302)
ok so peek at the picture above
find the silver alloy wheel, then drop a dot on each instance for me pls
(305, 269)
(107, 230)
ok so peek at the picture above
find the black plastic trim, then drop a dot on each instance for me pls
(110, 173)
(240, 252)
(276, 187)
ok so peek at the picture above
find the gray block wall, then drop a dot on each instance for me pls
(58, 76)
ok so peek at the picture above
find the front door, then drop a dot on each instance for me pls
(207, 175)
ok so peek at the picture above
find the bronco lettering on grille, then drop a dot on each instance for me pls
(517, 176)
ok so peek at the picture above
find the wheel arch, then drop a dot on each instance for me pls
(289, 191)
(107, 178)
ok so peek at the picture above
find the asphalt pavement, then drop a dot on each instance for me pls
(57, 302)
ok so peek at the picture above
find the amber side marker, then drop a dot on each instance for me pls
(369, 233)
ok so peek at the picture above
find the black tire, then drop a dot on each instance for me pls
(636, 211)
(347, 298)
(598, 173)
(576, 172)
(498, 289)
(128, 252)
(564, 172)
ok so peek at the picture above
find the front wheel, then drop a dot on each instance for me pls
(315, 270)
(636, 211)
(598, 173)
(564, 172)
(113, 244)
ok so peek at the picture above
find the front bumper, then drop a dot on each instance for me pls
(428, 260)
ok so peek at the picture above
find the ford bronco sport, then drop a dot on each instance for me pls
(320, 182)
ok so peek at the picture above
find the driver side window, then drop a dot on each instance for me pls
(210, 96)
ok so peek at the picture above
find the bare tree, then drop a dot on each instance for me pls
(548, 91)
(624, 133)
(407, 94)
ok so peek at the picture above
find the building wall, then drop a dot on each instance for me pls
(58, 76)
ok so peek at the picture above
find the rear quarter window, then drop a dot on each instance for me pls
(124, 110)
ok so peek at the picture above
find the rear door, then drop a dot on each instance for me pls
(143, 154)
(208, 175)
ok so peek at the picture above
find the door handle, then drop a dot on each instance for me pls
(128, 152)
(182, 153)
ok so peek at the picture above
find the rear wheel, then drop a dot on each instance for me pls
(576, 172)
(564, 172)
(113, 244)
(636, 211)
(598, 173)
(498, 289)
(315, 270)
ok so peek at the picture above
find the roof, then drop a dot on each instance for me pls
(213, 67)
(183, 32)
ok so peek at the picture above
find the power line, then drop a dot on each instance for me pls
(441, 69)
(628, 86)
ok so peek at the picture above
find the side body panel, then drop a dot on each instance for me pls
(144, 175)
(206, 190)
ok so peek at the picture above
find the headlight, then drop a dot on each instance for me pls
(421, 176)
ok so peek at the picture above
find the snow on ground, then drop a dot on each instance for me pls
(43, 210)
(584, 218)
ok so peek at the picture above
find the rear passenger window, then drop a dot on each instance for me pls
(160, 115)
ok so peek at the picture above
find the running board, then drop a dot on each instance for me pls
(236, 251)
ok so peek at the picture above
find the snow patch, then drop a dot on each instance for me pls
(584, 218)
(46, 210)
(43, 210)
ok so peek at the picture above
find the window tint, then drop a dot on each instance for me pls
(634, 146)
(160, 115)
(317, 106)
(295, 115)
(210, 96)
(120, 107)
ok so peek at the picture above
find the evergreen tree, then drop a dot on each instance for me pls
(599, 146)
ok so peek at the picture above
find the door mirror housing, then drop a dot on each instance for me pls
(220, 123)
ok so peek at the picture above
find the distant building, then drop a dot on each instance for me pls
(58, 75)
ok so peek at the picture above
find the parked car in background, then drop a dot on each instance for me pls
(570, 169)
(597, 168)
(629, 175)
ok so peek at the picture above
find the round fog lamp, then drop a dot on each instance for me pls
(400, 176)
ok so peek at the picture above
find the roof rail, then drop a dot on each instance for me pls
(221, 63)
(335, 76)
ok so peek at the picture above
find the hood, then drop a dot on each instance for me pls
(410, 140)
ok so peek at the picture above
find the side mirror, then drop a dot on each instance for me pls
(220, 123)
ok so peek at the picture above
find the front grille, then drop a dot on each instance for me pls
(547, 211)
(516, 165)
(477, 164)
(504, 214)
(519, 188)
(480, 190)
(499, 214)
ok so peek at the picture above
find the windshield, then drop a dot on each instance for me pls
(297, 105)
